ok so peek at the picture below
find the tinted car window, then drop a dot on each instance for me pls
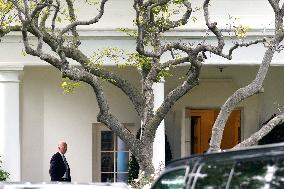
(253, 173)
(278, 179)
(174, 179)
(260, 173)
(212, 175)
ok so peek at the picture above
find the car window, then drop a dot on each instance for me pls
(267, 173)
(174, 179)
(253, 173)
(212, 175)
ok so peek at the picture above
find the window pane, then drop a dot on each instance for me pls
(254, 173)
(212, 175)
(122, 159)
(278, 179)
(107, 162)
(121, 177)
(107, 177)
(121, 146)
(107, 141)
(172, 180)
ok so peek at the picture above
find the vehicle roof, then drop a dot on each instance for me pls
(61, 185)
(248, 152)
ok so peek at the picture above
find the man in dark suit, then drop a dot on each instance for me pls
(59, 168)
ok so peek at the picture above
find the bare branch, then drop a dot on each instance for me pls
(229, 56)
(173, 96)
(181, 21)
(6, 30)
(92, 21)
(44, 18)
(39, 8)
(250, 89)
(274, 5)
(254, 138)
(174, 62)
(19, 9)
(57, 8)
(155, 2)
(282, 10)
(46, 57)
(79, 74)
(27, 10)
(176, 45)
(113, 78)
(238, 96)
(76, 41)
(104, 116)
(138, 5)
(213, 27)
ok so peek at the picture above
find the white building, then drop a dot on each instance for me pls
(35, 114)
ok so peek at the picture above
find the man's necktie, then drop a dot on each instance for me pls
(67, 166)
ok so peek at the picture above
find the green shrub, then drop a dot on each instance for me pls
(3, 174)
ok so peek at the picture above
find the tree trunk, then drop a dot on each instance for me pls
(145, 161)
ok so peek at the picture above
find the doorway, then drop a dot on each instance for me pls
(202, 121)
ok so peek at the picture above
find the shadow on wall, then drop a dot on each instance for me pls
(276, 135)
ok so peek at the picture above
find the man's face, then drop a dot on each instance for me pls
(62, 147)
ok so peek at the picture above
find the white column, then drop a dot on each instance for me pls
(159, 141)
(9, 121)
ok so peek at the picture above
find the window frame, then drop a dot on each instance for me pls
(96, 149)
(166, 171)
(114, 151)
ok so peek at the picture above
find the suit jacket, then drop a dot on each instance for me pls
(58, 168)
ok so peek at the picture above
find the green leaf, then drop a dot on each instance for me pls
(69, 86)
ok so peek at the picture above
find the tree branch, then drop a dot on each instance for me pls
(174, 62)
(89, 22)
(229, 55)
(39, 8)
(78, 56)
(181, 21)
(174, 96)
(213, 27)
(141, 19)
(176, 45)
(250, 89)
(254, 138)
(274, 5)
(105, 116)
(57, 8)
(238, 96)
(79, 74)
(115, 79)
(155, 2)
(6, 30)
(76, 40)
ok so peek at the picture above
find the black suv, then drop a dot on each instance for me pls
(251, 168)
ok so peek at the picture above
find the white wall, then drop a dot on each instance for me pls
(32, 124)
(273, 93)
(120, 13)
(50, 116)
